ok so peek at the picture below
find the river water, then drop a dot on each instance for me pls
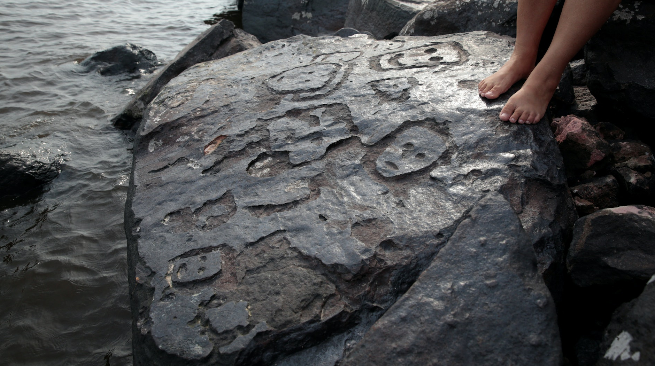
(63, 278)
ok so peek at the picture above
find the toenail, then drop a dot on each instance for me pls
(512, 120)
(521, 121)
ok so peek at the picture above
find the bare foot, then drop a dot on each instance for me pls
(515, 69)
(529, 104)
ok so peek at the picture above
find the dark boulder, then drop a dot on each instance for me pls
(602, 192)
(581, 145)
(613, 247)
(218, 41)
(481, 302)
(270, 20)
(630, 337)
(634, 170)
(609, 131)
(383, 18)
(283, 198)
(579, 71)
(621, 61)
(125, 59)
(24, 174)
(455, 16)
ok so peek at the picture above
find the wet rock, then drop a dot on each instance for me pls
(629, 339)
(600, 193)
(124, 59)
(218, 41)
(24, 172)
(580, 144)
(579, 72)
(613, 246)
(481, 301)
(621, 61)
(270, 20)
(383, 18)
(312, 180)
(454, 16)
(609, 131)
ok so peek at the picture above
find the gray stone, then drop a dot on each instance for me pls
(621, 61)
(629, 339)
(613, 247)
(481, 302)
(383, 18)
(270, 20)
(455, 16)
(325, 173)
(218, 41)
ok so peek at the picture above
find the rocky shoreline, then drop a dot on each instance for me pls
(351, 200)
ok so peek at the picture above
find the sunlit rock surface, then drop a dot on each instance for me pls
(283, 198)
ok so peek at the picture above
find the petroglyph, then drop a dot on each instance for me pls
(300, 186)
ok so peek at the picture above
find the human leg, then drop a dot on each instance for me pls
(579, 21)
(531, 19)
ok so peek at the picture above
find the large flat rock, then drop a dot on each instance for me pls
(285, 197)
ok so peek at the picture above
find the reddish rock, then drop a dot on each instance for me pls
(613, 247)
(581, 146)
(600, 193)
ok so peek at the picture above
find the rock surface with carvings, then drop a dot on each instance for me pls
(218, 41)
(383, 18)
(456, 16)
(284, 198)
(270, 20)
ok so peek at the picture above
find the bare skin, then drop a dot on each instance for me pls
(579, 21)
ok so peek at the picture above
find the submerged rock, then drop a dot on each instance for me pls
(285, 197)
(218, 41)
(455, 16)
(383, 18)
(270, 20)
(124, 59)
(24, 172)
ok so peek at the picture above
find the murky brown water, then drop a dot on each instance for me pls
(63, 286)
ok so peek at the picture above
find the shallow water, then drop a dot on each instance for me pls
(63, 279)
